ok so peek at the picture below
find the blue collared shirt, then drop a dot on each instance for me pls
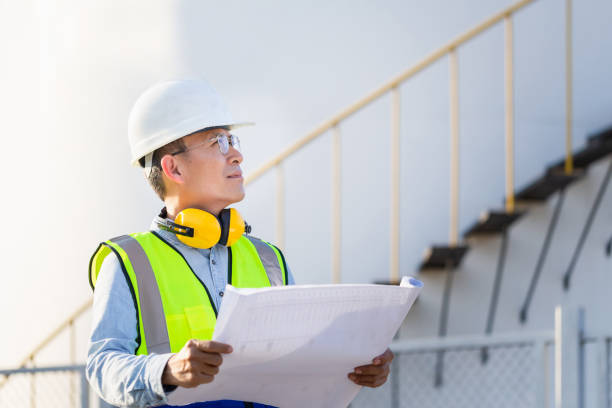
(118, 375)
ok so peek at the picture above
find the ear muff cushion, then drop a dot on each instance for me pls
(224, 220)
(207, 229)
(236, 227)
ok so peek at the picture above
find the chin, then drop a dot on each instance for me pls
(237, 197)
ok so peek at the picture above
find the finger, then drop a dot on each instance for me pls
(202, 378)
(373, 369)
(213, 359)
(387, 356)
(368, 380)
(195, 379)
(196, 356)
(367, 367)
(213, 346)
(209, 369)
(376, 383)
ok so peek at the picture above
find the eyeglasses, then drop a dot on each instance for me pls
(221, 139)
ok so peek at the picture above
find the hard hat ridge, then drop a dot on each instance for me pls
(170, 110)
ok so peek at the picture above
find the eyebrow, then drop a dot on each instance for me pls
(220, 134)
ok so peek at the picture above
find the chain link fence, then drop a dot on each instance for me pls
(479, 371)
(512, 374)
(64, 387)
(608, 376)
(437, 376)
(597, 384)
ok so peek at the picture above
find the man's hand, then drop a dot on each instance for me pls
(373, 375)
(197, 363)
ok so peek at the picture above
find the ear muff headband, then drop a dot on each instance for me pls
(200, 229)
(224, 219)
(175, 228)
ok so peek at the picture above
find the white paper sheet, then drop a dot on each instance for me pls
(294, 345)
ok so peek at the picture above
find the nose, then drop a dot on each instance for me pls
(234, 156)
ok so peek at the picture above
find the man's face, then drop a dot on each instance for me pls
(211, 179)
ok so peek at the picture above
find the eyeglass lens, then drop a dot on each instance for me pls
(224, 143)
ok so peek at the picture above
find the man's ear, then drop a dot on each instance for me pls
(170, 167)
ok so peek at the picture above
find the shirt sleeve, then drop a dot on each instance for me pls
(118, 375)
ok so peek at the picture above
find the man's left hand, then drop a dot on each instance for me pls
(375, 374)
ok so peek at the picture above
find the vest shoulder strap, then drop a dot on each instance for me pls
(151, 307)
(149, 302)
(277, 274)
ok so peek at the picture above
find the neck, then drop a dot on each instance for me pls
(175, 205)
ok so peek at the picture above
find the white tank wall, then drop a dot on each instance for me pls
(72, 70)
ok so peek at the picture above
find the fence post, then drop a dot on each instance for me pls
(72, 353)
(32, 385)
(540, 355)
(84, 390)
(395, 384)
(569, 367)
(603, 374)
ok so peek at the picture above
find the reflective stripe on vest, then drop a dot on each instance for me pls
(151, 308)
(174, 307)
(269, 259)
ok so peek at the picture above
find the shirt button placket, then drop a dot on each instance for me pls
(215, 274)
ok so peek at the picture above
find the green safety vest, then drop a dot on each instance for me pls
(171, 303)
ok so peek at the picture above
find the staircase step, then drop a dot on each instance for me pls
(443, 256)
(601, 137)
(548, 184)
(493, 222)
(598, 147)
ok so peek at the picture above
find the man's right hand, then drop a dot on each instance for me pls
(197, 363)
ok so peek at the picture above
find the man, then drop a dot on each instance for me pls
(157, 293)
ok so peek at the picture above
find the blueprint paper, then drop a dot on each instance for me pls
(294, 345)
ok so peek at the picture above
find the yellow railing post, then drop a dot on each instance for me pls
(508, 59)
(569, 160)
(395, 185)
(336, 194)
(74, 377)
(454, 157)
(32, 385)
(280, 206)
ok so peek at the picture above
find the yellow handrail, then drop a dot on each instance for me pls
(453, 238)
(66, 323)
(393, 87)
(410, 72)
(51, 336)
(509, 114)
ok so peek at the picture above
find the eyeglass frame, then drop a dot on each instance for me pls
(231, 139)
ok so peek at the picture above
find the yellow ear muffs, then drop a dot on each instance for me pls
(232, 226)
(201, 229)
(205, 227)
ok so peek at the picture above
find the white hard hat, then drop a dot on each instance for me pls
(170, 110)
